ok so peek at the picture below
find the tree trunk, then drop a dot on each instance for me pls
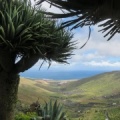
(8, 94)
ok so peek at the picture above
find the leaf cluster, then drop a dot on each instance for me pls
(53, 111)
(24, 30)
(87, 13)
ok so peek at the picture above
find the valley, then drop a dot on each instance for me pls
(86, 99)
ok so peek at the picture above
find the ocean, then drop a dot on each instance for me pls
(59, 75)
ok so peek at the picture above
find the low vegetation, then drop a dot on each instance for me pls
(51, 110)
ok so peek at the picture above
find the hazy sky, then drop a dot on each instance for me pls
(98, 53)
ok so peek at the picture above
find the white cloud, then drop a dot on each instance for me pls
(98, 42)
(50, 9)
(82, 57)
(102, 64)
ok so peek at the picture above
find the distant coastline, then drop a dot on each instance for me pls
(60, 75)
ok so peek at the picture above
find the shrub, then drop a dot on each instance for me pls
(54, 111)
(27, 116)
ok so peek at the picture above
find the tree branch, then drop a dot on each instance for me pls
(26, 63)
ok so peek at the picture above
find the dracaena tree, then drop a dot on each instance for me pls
(26, 36)
(89, 12)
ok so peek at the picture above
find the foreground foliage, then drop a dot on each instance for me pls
(54, 111)
(22, 116)
(49, 111)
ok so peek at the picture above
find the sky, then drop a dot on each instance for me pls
(98, 53)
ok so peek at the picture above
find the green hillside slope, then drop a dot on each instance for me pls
(97, 93)
(30, 92)
(104, 85)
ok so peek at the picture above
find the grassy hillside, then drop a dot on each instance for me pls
(29, 91)
(105, 85)
(81, 98)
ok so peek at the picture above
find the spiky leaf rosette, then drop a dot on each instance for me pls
(53, 111)
(26, 33)
(89, 12)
